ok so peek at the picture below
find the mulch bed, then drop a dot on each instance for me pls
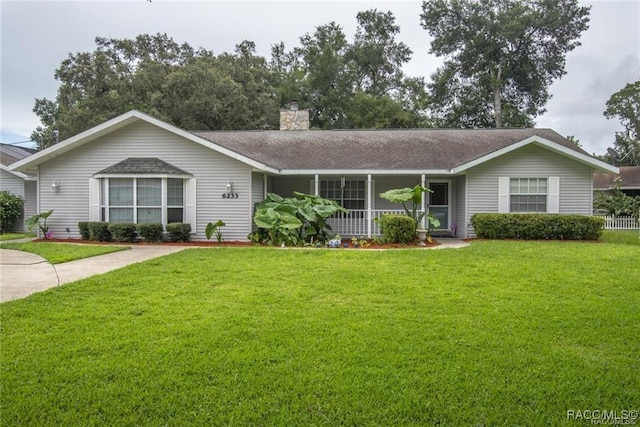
(208, 244)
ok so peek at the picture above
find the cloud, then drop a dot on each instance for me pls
(37, 36)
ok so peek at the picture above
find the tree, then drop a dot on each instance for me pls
(625, 105)
(356, 84)
(189, 88)
(327, 82)
(96, 86)
(502, 56)
(376, 57)
(257, 108)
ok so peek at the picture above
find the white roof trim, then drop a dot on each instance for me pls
(142, 175)
(18, 174)
(117, 123)
(538, 140)
(364, 172)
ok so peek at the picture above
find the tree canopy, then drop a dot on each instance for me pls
(192, 89)
(625, 106)
(501, 57)
(358, 84)
(345, 84)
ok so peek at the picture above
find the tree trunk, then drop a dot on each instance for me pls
(496, 81)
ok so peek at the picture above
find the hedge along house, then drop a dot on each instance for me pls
(135, 168)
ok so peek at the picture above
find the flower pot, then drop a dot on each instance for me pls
(422, 235)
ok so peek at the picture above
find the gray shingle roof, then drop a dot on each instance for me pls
(12, 153)
(142, 166)
(374, 149)
(630, 176)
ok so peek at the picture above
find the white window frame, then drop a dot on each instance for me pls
(104, 198)
(343, 183)
(449, 206)
(552, 193)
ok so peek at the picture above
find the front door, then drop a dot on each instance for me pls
(439, 204)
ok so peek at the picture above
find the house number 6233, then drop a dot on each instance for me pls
(230, 195)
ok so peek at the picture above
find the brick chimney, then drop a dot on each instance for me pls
(294, 119)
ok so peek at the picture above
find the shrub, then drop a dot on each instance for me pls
(179, 232)
(99, 231)
(618, 203)
(11, 207)
(123, 232)
(398, 228)
(151, 232)
(294, 220)
(537, 226)
(84, 230)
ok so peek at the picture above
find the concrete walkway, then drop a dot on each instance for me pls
(24, 273)
(450, 243)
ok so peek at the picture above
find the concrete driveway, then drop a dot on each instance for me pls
(24, 273)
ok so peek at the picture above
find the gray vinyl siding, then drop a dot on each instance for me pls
(30, 199)
(257, 188)
(530, 162)
(460, 196)
(11, 183)
(211, 170)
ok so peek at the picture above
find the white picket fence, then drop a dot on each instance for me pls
(620, 223)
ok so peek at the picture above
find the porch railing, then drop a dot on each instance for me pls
(613, 222)
(356, 221)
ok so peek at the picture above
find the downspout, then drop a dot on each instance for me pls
(265, 186)
(37, 197)
(369, 217)
(423, 183)
(317, 185)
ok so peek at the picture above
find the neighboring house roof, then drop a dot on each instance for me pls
(12, 153)
(143, 166)
(374, 151)
(630, 176)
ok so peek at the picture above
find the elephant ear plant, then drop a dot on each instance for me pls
(35, 221)
(413, 195)
(214, 228)
(294, 220)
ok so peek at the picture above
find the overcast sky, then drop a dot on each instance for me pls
(38, 35)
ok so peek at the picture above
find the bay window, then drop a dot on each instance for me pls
(142, 200)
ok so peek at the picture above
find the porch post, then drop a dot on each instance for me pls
(369, 217)
(317, 185)
(423, 182)
(265, 187)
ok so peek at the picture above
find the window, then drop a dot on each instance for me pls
(175, 200)
(528, 195)
(140, 200)
(350, 194)
(149, 200)
(120, 200)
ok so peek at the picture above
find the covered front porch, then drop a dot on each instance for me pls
(359, 194)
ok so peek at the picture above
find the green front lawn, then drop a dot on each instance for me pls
(499, 333)
(57, 253)
(14, 236)
(631, 237)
